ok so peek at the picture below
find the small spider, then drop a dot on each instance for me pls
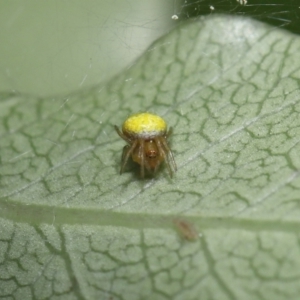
(147, 136)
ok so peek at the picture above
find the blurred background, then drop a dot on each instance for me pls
(52, 47)
(60, 46)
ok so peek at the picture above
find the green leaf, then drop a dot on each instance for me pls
(73, 228)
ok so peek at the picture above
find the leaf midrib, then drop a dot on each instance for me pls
(56, 216)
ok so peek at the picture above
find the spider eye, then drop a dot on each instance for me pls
(151, 153)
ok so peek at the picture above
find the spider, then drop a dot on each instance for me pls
(146, 135)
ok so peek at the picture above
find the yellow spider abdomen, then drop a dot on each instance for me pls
(144, 125)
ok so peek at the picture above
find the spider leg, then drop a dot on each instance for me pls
(142, 156)
(148, 168)
(123, 136)
(163, 152)
(169, 133)
(124, 152)
(127, 151)
(170, 157)
(170, 153)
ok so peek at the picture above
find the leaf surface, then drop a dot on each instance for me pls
(73, 228)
